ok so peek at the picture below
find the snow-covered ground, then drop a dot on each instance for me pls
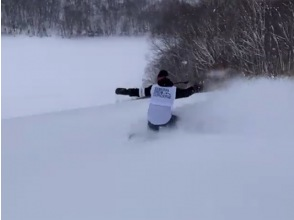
(44, 75)
(230, 158)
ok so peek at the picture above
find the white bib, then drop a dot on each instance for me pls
(161, 102)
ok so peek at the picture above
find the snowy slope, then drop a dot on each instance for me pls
(230, 158)
(51, 74)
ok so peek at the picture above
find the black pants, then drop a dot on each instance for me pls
(171, 123)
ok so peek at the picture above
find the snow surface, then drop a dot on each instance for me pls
(230, 158)
(56, 74)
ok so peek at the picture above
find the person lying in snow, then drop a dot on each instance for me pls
(162, 96)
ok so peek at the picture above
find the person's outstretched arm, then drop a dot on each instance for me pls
(134, 92)
(183, 93)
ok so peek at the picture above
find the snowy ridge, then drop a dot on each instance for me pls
(230, 158)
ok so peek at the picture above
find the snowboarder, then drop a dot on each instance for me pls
(163, 95)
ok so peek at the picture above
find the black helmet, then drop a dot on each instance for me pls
(162, 74)
(163, 80)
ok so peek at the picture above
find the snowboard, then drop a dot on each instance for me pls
(147, 134)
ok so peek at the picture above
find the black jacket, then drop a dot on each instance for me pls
(180, 93)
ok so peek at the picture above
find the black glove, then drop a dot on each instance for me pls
(198, 88)
(122, 91)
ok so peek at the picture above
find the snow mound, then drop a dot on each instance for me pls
(231, 157)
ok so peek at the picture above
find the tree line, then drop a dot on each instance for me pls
(70, 18)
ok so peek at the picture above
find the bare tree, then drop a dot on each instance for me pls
(253, 36)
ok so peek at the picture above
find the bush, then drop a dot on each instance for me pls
(254, 37)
